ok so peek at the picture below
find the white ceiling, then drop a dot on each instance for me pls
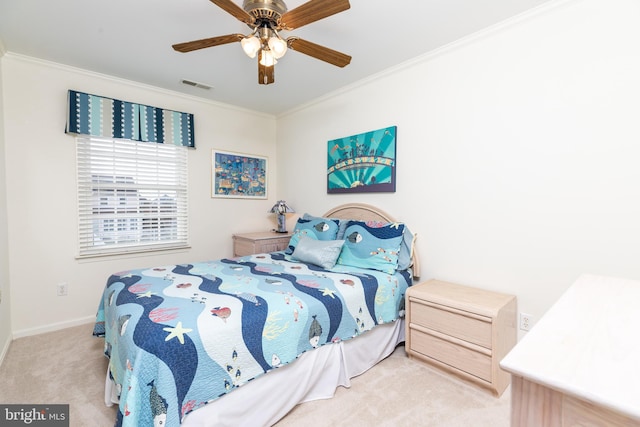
(132, 39)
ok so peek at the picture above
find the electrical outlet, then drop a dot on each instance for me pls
(63, 289)
(526, 321)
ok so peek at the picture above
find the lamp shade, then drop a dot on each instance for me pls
(267, 58)
(280, 209)
(251, 46)
(277, 46)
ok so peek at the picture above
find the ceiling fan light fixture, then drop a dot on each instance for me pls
(277, 46)
(251, 45)
(267, 58)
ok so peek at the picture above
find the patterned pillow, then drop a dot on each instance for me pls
(374, 246)
(342, 223)
(318, 229)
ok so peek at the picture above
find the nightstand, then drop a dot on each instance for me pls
(261, 242)
(463, 330)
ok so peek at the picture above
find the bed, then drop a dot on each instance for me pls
(241, 341)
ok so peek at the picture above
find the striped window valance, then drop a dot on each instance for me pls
(99, 116)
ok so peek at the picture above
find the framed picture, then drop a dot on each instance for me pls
(363, 163)
(237, 175)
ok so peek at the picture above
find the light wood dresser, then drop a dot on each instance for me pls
(461, 329)
(260, 242)
(579, 365)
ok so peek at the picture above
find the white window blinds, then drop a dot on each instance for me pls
(132, 196)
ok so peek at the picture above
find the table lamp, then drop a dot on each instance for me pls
(281, 208)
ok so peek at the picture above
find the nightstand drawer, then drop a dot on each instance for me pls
(261, 242)
(452, 354)
(457, 323)
(244, 247)
(274, 246)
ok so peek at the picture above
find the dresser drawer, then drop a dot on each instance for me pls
(452, 354)
(465, 326)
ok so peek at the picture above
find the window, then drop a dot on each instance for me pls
(132, 196)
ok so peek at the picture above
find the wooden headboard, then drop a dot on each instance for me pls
(365, 212)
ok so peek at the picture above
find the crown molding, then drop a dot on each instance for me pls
(429, 56)
(93, 74)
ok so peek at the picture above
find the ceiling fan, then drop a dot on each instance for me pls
(266, 18)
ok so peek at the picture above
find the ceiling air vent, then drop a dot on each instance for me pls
(196, 84)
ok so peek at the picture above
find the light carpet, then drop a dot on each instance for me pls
(68, 366)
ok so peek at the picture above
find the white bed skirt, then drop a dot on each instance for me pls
(315, 375)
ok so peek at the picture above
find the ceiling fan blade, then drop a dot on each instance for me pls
(319, 52)
(235, 10)
(210, 42)
(311, 11)
(266, 75)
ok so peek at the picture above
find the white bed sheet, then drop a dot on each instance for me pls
(314, 375)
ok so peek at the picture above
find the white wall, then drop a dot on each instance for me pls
(518, 150)
(41, 189)
(517, 163)
(5, 312)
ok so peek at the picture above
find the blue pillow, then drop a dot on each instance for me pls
(342, 223)
(406, 249)
(322, 253)
(318, 229)
(372, 247)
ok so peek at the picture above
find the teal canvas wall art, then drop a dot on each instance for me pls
(362, 163)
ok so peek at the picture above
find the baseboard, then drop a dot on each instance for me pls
(5, 349)
(53, 327)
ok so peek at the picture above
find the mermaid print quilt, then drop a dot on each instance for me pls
(180, 336)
